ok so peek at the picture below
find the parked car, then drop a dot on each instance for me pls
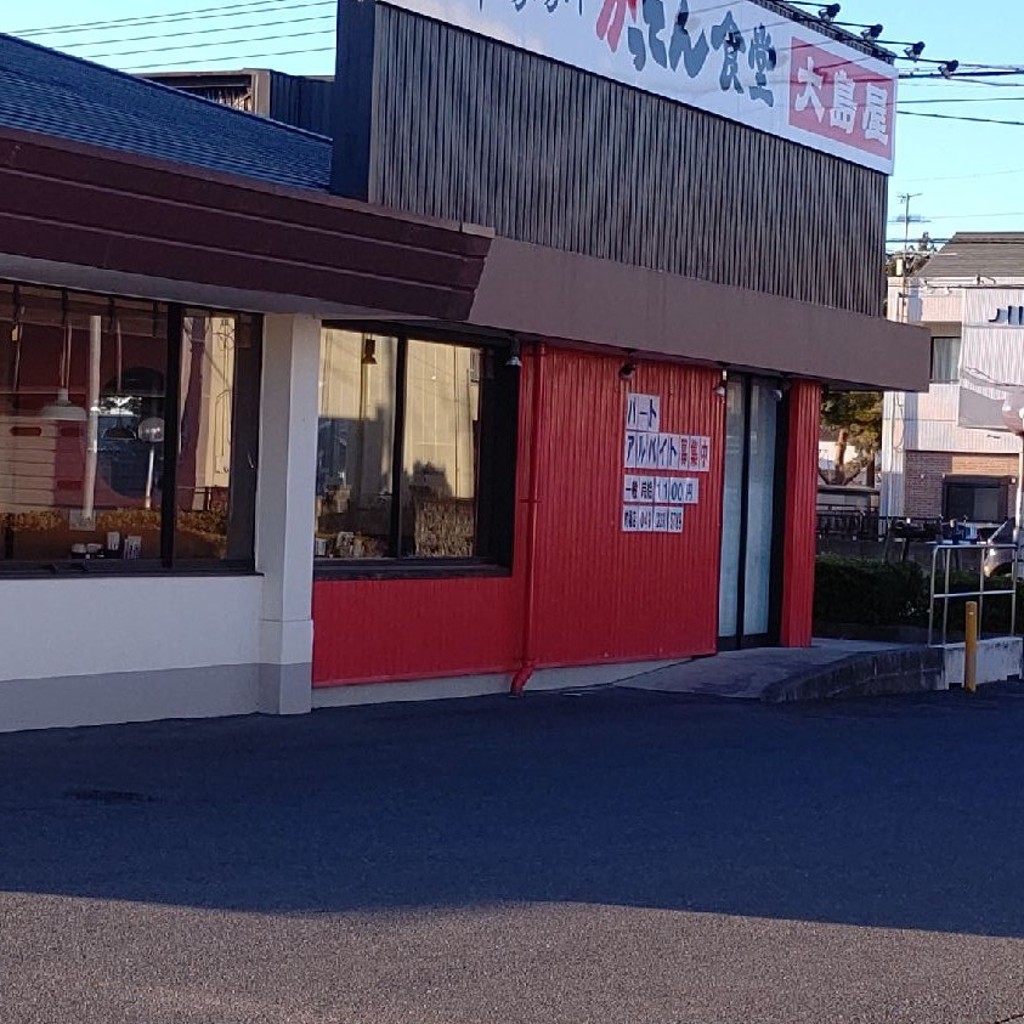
(999, 556)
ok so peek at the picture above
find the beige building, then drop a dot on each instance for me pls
(944, 451)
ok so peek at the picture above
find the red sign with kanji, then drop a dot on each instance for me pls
(841, 100)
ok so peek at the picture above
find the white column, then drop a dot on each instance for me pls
(893, 462)
(285, 511)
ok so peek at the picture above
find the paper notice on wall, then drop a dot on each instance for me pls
(643, 413)
(670, 490)
(638, 518)
(639, 489)
(653, 503)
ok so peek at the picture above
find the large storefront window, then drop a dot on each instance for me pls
(416, 449)
(127, 432)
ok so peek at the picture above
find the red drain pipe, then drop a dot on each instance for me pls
(527, 661)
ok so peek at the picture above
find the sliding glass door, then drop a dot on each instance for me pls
(751, 555)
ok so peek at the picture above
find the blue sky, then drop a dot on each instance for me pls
(969, 176)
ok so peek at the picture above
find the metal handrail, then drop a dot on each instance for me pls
(946, 595)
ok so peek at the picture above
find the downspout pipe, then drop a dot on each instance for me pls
(527, 661)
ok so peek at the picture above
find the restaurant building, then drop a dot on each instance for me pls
(513, 383)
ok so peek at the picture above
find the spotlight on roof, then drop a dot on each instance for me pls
(948, 69)
(914, 50)
(871, 32)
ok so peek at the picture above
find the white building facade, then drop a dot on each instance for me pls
(945, 453)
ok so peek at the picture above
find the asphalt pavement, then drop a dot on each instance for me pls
(604, 856)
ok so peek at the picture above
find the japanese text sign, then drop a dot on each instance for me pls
(735, 59)
(653, 503)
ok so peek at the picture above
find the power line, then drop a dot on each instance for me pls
(242, 60)
(198, 32)
(968, 99)
(961, 117)
(203, 46)
(968, 177)
(965, 216)
(193, 14)
(964, 79)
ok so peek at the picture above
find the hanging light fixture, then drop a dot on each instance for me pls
(63, 409)
(17, 330)
(627, 371)
(514, 361)
(119, 401)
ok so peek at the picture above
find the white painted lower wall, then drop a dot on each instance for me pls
(999, 659)
(86, 651)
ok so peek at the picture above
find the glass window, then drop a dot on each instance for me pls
(87, 388)
(215, 477)
(440, 454)
(945, 360)
(416, 449)
(356, 441)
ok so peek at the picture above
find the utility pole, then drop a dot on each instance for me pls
(905, 198)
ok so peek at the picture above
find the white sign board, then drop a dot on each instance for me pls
(734, 59)
(991, 355)
(653, 503)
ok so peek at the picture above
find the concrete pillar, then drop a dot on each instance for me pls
(285, 511)
(893, 474)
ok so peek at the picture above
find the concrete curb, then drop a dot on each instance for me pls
(916, 669)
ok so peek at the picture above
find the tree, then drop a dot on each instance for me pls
(855, 418)
(912, 260)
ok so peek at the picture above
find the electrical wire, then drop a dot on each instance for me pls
(968, 99)
(964, 216)
(200, 32)
(202, 46)
(963, 177)
(241, 60)
(193, 14)
(961, 117)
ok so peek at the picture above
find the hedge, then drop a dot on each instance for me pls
(869, 592)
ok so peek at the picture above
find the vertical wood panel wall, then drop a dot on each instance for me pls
(468, 129)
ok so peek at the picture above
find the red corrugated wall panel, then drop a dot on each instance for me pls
(371, 630)
(801, 515)
(601, 594)
(605, 595)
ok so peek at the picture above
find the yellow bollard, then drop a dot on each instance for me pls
(971, 648)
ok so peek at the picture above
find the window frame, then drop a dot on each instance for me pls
(932, 379)
(243, 476)
(496, 475)
(1000, 484)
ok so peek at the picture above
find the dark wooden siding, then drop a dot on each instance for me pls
(467, 129)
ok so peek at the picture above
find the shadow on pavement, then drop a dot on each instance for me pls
(903, 812)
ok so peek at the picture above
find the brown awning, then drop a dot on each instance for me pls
(160, 230)
(556, 294)
(67, 203)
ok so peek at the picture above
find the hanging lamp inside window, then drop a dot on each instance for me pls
(119, 404)
(63, 409)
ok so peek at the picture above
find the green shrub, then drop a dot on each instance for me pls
(869, 592)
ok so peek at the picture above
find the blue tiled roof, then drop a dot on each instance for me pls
(45, 91)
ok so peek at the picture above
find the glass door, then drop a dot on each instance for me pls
(751, 563)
